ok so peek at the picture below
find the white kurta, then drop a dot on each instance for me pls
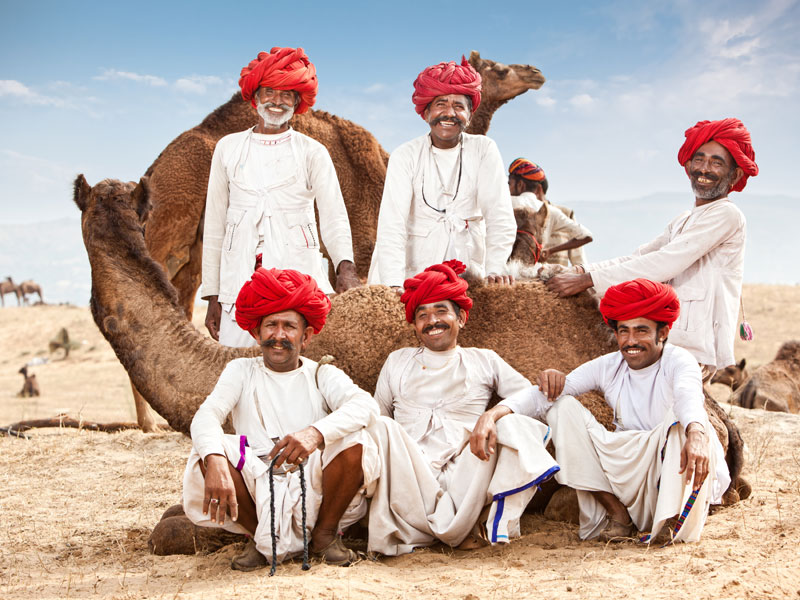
(629, 462)
(264, 407)
(432, 486)
(558, 229)
(443, 204)
(701, 255)
(261, 194)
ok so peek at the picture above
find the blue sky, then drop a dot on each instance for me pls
(101, 88)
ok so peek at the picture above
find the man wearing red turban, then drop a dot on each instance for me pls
(283, 405)
(445, 195)
(700, 253)
(447, 453)
(262, 190)
(663, 455)
(563, 238)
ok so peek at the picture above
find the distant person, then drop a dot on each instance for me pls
(263, 186)
(663, 465)
(701, 252)
(445, 195)
(563, 237)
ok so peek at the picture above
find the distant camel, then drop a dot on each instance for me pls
(7, 286)
(733, 376)
(30, 387)
(30, 287)
(774, 386)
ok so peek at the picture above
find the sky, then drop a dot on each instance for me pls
(101, 88)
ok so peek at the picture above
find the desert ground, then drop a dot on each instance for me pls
(78, 506)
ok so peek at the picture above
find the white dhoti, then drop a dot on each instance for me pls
(413, 506)
(641, 468)
(288, 498)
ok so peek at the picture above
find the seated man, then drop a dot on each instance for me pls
(663, 460)
(288, 406)
(444, 458)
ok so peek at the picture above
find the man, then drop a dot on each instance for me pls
(445, 195)
(263, 184)
(444, 457)
(563, 238)
(663, 465)
(283, 405)
(701, 253)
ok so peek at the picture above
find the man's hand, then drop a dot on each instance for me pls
(220, 493)
(551, 383)
(500, 279)
(569, 284)
(483, 440)
(694, 458)
(213, 316)
(544, 255)
(346, 277)
(296, 447)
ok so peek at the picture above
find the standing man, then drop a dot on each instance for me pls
(563, 238)
(663, 465)
(445, 457)
(701, 252)
(445, 195)
(282, 404)
(263, 184)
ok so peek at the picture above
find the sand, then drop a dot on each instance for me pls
(77, 506)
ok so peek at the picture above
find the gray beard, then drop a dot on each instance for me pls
(271, 120)
(718, 191)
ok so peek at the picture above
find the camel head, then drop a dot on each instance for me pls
(134, 197)
(733, 376)
(501, 82)
(529, 223)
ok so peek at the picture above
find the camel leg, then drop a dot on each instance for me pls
(144, 414)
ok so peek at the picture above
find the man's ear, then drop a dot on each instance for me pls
(462, 317)
(308, 333)
(663, 333)
(737, 176)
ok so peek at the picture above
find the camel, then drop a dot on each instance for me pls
(175, 367)
(30, 287)
(733, 376)
(530, 226)
(30, 387)
(8, 286)
(774, 386)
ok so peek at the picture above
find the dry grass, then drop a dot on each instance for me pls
(78, 506)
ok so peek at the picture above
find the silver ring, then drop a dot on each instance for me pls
(214, 500)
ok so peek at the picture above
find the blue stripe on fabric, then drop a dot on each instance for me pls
(497, 516)
(500, 497)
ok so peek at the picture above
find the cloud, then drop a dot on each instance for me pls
(15, 89)
(113, 74)
(199, 84)
(546, 101)
(581, 101)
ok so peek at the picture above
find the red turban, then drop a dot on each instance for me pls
(274, 290)
(640, 298)
(281, 69)
(526, 169)
(446, 78)
(731, 134)
(436, 283)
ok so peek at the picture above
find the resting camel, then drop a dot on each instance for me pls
(776, 385)
(30, 287)
(175, 367)
(733, 376)
(7, 286)
(179, 178)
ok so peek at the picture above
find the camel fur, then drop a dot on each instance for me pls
(774, 386)
(176, 367)
(7, 286)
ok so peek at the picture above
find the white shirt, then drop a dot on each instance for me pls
(261, 194)
(701, 255)
(469, 183)
(286, 402)
(436, 396)
(639, 398)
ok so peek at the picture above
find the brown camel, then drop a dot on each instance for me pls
(30, 287)
(30, 386)
(530, 225)
(176, 367)
(733, 376)
(776, 385)
(7, 286)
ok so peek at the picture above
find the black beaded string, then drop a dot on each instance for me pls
(306, 566)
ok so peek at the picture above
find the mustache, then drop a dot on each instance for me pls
(273, 343)
(455, 120)
(274, 105)
(710, 176)
(435, 326)
(634, 347)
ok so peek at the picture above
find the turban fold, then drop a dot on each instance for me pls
(640, 298)
(446, 78)
(526, 169)
(434, 284)
(274, 290)
(281, 69)
(731, 134)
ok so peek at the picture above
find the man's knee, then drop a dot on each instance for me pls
(566, 408)
(350, 457)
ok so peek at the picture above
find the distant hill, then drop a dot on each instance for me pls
(52, 252)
